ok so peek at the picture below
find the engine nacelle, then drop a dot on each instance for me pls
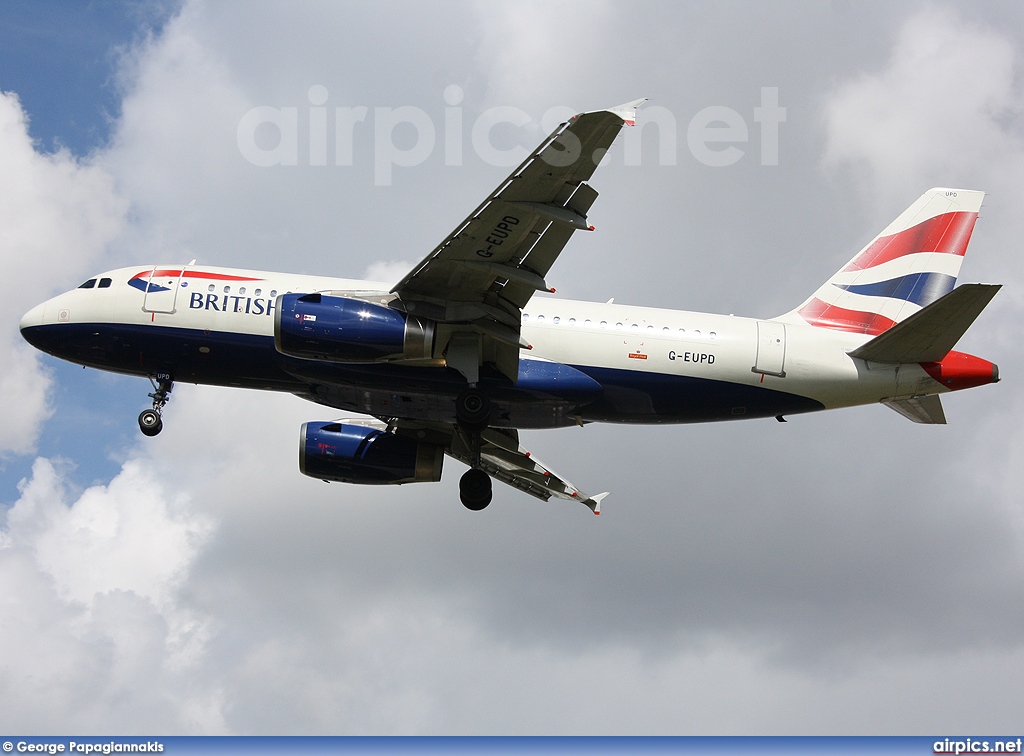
(340, 329)
(357, 454)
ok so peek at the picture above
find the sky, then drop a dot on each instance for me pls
(843, 573)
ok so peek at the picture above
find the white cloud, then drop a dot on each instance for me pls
(944, 111)
(96, 634)
(531, 50)
(115, 537)
(57, 214)
(23, 397)
(180, 110)
(389, 271)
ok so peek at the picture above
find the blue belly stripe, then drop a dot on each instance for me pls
(558, 392)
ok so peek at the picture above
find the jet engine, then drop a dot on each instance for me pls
(340, 329)
(357, 454)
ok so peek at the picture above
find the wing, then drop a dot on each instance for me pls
(476, 282)
(502, 458)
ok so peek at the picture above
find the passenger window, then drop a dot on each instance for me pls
(665, 329)
(241, 291)
(273, 293)
(650, 328)
(540, 318)
(211, 287)
(526, 316)
(88, 284)
(572, 321)
(104, 283)
(227, 289)
(556, 320)
(259, 292)
(634, 327)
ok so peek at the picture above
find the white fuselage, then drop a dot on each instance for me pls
(795, 359)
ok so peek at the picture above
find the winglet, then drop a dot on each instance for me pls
(594, 502)
(627, 111)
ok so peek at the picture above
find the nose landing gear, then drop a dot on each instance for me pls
(150, 421)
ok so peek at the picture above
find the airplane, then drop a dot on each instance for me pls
(459, 355)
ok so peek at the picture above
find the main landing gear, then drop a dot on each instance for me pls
(150, 422)
(473, 410)
(475, 489)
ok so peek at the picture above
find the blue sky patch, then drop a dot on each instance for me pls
(61, 60)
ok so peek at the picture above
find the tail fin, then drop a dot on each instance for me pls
(911, 264)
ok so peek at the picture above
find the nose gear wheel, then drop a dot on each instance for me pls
(151, 420)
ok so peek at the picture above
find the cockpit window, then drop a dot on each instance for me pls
(104, 283)
(88, 284)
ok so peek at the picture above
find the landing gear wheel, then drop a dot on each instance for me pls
(473, 408)
(475, 489)
(150, 423)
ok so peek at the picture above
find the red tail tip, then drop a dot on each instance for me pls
(960, 371)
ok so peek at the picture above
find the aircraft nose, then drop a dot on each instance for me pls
(29, 322)
(33, 317)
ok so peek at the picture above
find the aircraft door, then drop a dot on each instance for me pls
(162, 290)
(771, 349)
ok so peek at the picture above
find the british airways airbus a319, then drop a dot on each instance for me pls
(459, 355)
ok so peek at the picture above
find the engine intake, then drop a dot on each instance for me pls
(340, 329)
(356, 454)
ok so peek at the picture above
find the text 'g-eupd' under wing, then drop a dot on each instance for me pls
(475, 283)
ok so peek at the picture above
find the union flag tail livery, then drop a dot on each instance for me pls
(914, 261)
(460, 355)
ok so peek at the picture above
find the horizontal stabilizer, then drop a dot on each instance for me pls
(931, 333)
(920, 409)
